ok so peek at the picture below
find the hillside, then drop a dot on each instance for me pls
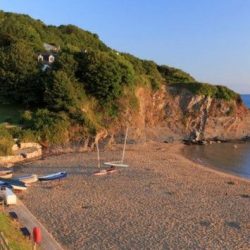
(71, 86)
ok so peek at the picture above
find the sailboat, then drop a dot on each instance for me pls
(121, 162)
(112, 164)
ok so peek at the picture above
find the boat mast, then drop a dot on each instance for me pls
(124, 145)
(98, 154)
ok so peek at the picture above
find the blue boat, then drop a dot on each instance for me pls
(54, 176)
(14, 184)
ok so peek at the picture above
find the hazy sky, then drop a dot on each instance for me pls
(208, 38)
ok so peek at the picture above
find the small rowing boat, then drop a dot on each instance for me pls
(54, 176)
(4, 171)
(106, 171)
(6, 176)
(28, 179)
(101, 172)
(15, 184)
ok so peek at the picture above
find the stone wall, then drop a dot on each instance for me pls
(34, 150)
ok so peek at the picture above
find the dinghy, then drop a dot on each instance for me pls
(54, 176)
(101, 172)
(106, 171)
(6, 176)
(28, 179)
(14, 184)
(8, 196)
(4, 171)
(4, 184)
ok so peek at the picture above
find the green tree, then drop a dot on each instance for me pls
(103, 74)
(60, 92)
(17, 69)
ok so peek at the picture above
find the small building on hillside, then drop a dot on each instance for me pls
(46, 58)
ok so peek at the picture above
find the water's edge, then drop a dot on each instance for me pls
(188, 152)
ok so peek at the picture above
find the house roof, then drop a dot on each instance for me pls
(49, 47)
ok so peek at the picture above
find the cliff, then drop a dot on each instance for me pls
(90, 92)
(168, 114)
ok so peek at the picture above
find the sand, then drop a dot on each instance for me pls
(162, 201)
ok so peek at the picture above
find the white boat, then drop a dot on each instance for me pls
(28, 179)
(8, 196)
(54, 176)
(6, 176)
(4, 171)
(120, 163)
(116, 164)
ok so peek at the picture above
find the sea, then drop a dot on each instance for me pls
(233, 158)
(246, 100)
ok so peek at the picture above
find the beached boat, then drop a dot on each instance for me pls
(8, 196)
(101, 172)
(4, 184)
(106, 171)
(28, 179)
(7, 176)
(54, 176)
(15, 184)
(119, 164)
(4, 171)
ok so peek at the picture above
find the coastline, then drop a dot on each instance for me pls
(209, 167)
(163, 200)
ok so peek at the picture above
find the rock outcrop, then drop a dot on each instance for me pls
(171, 113)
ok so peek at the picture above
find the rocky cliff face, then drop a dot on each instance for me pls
(173, 114)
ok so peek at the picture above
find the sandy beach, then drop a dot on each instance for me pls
(162, 201)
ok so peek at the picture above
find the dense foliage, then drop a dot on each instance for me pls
(6, 141)
(84, 85)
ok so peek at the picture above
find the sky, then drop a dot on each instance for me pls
(210, 39)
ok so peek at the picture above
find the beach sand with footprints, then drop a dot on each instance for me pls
(161, 201)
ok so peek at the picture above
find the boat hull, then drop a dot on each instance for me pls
(54, 176)
(14, 184)
(6, 176)
(28, 179)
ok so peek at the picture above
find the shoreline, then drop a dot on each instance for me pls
(162, 200)
(209, 167)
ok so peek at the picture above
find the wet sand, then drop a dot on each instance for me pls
(162, 201)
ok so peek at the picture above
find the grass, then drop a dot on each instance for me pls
(10, 113)
(12, 232)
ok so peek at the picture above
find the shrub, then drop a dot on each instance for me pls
(26, 118)
(28, 135)
(51, 127)
(173, 75)
(6, 141)
(153, 74)
(219, 92)
(226, 93)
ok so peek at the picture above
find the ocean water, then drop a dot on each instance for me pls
(226, 157)
(246, 100)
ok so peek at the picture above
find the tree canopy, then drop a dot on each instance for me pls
(86, 80)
